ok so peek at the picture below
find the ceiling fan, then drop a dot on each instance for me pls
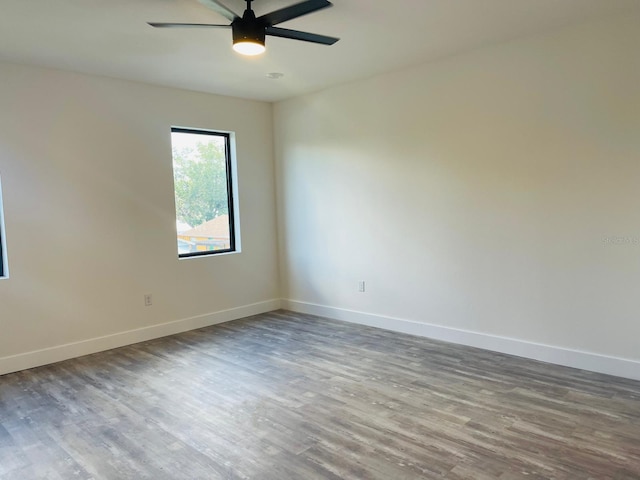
(249, 31)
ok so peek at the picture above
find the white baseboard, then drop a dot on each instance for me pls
(619, 367)
(58, 353)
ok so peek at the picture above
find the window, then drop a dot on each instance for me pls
(4, 272)
(204, 193)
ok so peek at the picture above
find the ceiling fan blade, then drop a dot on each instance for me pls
(186, 25)
(220, 8)
(294, 11)
(304, 36)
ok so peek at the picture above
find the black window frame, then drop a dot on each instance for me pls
(1, 249)
(230, 191)
(4, 271)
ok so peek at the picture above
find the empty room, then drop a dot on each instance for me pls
(302, 239)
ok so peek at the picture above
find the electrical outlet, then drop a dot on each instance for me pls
(148, 301)
(361, 286)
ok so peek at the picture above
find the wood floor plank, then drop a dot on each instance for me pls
(289, 396)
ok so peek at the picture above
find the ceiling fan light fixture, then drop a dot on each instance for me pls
(249, 47)
(248, 37)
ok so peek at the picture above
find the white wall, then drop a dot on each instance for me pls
(90, 219)
(476, 194)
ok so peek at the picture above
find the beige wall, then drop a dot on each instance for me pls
(88, 195)
(476, 193)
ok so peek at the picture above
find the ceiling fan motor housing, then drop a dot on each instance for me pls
(248, 29)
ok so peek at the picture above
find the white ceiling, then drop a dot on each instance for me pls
(111, 37)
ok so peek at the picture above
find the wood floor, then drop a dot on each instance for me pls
(288, 396)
